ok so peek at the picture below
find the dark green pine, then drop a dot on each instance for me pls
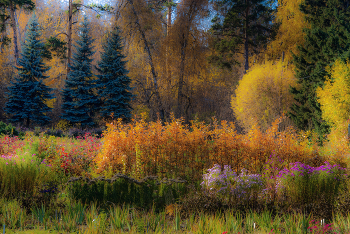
(246, 24)
(80, 102)
(113, 82)
(27, 95)
(326, 40)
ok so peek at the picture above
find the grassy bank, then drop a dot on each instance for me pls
(147, 178)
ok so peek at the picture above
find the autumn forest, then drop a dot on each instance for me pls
(249, 62)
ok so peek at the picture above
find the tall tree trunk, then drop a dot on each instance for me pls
(187, 116)
(70, 22)
(14, 28)
(181, 77)
(187, 20)
(167, 64)
(19, 36)
(246, 45)
(3, 36)
(28, 122)
(155, 82)
(167, 69)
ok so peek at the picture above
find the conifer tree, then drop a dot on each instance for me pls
(28, 93)
(326, 40)
(240, 24)
(113, 83)
(80, 102)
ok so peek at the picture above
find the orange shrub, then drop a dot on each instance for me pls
(140, 149)
(161, 150)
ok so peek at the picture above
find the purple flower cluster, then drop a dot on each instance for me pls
(316, 228)
(217, 179)
(300, 169)
(246, 183)
(229, 183)
(302, 181)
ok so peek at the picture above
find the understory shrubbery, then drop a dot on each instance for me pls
(272, 171)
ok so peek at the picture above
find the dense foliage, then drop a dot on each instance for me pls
(175, 64)
(262, 94)
(326, 40)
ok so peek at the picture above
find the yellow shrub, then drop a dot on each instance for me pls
(63, 125)
(263, 94)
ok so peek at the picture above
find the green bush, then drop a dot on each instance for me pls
(9, 130)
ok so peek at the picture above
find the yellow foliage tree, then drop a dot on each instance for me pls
(334, 99)
(290, 32)
(262, 95)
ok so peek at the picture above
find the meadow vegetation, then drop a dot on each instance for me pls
(146, 177)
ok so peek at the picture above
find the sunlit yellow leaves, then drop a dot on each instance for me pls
(334, 98)
(262, 95)
(290, 33)
(50, 102)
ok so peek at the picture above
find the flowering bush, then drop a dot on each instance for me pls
(316, 228)
(247, 184)
(228, 183)
(65, 162)
(301, 182)
(62, 164)
(216, 180)
(9, 145)
(272, 167)
(77, 159)
(306, 183)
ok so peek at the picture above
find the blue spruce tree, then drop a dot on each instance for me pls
(80, 102)
(113, 83)
(27, 95)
